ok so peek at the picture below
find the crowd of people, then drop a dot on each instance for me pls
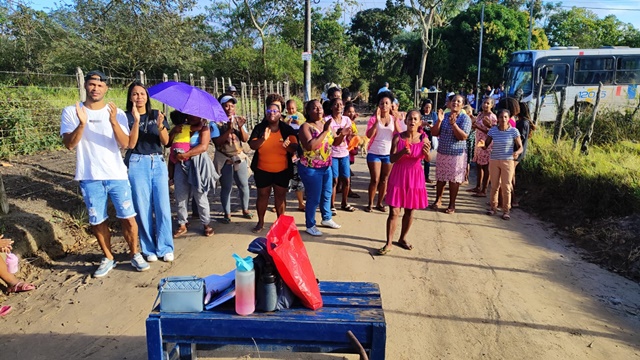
(309, 154)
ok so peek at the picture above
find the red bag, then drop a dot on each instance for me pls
(285, 246)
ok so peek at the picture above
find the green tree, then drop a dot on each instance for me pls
(506, 31)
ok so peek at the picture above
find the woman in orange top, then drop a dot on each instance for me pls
(274, 143)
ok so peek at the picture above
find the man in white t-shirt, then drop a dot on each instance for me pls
(97, 131)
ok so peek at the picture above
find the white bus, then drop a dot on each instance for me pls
(579, 71)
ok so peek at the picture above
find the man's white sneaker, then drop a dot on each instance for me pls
(168, 257)
(152, 258)
(330, 224)
(314, 231)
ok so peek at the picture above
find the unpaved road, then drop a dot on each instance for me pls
(474, 287)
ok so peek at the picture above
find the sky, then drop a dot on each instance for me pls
(626, 10)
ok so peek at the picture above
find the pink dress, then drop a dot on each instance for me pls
(405, 187)
(482, 156)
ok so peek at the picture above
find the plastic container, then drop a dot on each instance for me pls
(12, 263)
(270, 294)
(245, 285)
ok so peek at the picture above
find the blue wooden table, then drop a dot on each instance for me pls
(353, 306)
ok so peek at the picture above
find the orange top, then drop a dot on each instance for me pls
(273, 155)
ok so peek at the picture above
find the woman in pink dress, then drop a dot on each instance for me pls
(405, 187)
(484, 121)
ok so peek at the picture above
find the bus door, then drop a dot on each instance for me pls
(553, 77)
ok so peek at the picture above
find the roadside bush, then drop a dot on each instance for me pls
(611, 126)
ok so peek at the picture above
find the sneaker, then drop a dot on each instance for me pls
(314, 231)
(330, 224)
(105, 266)
(139, 263)
(152, 258)
(168, 257)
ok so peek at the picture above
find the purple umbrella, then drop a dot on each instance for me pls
(189, 100)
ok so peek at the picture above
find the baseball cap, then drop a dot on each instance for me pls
(231, 88)
(225, 99)
(93, 73)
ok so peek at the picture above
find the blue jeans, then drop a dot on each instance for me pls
(149, 179)
(241, 177)
(318, 184)
(95, 194)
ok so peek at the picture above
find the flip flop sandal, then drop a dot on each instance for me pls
(381, 208)
(506, 217)
(434, 206)
(450, 211)
(208, 231)
(20, 287)
(479, 194)
(353, 195)
(405, 245)
(368, 209)
(4, 310)
(225, 220)
(348, 208)
(334, 211)
(491, 212)
(474, 190)
(383, 251)
(181, 231)
(248, 215)
(302, 209)
(257, 229)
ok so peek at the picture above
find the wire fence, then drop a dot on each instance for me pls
(31, 103)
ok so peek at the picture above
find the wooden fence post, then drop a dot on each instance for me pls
(215, 86)
(82, 93)
(259, 103)
(175, 77)
(165, 108)
(251, 117)
(536, 110)
(557, 133)
(576, 125)
(243, 96)
(4, 201)
(271, 87)
(587, 138)
(141, 77)
(202, 83)
(287, 92)
(265, 91)
(191, 80)
(279, 87)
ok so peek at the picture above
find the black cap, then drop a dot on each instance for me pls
(231, 88)
(93, 73)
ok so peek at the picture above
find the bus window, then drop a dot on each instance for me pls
(559, 70)
(592, 71)
(628, 71)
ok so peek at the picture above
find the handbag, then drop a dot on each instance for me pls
(181, 294)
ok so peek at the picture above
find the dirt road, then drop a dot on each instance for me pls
(474, 287)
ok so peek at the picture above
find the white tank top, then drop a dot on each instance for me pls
(381, 143)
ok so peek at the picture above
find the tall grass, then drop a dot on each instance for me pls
(604, 183)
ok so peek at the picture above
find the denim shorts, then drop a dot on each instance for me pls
(340, 167)
(385, 159)
(95, 194)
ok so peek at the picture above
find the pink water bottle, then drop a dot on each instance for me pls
(245, 285)
(12, 263)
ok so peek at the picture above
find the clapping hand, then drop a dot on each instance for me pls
(6, 245)
(327, 125)
(267, 132)
(113, 110)
(440, 115)
(160, 121)
(82, 113)
(486, 121)
(240, 120)
(136, 114)
(286, 143)
(426, 145)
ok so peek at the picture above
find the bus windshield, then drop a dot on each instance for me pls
(520, 77)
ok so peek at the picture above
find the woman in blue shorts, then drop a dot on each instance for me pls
(380, 129)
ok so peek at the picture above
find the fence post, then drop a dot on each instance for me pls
(536, 110)
(215, 86)
(279, 87)
(175, 77)
(576, 125)
(287, 93)
(416, 96)
(4, 201)
(202, 83)
(265, 91)
(82, 93)
(251, 105)
(141, 77)
(271, 87)
(243, 96)
(557, 133)
(587, 138)
(259, 103)
(191, 80)
(165, 108)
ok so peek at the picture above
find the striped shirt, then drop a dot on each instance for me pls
(503, 142)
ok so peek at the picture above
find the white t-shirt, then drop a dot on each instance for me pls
(97, 154)
(341, 150)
